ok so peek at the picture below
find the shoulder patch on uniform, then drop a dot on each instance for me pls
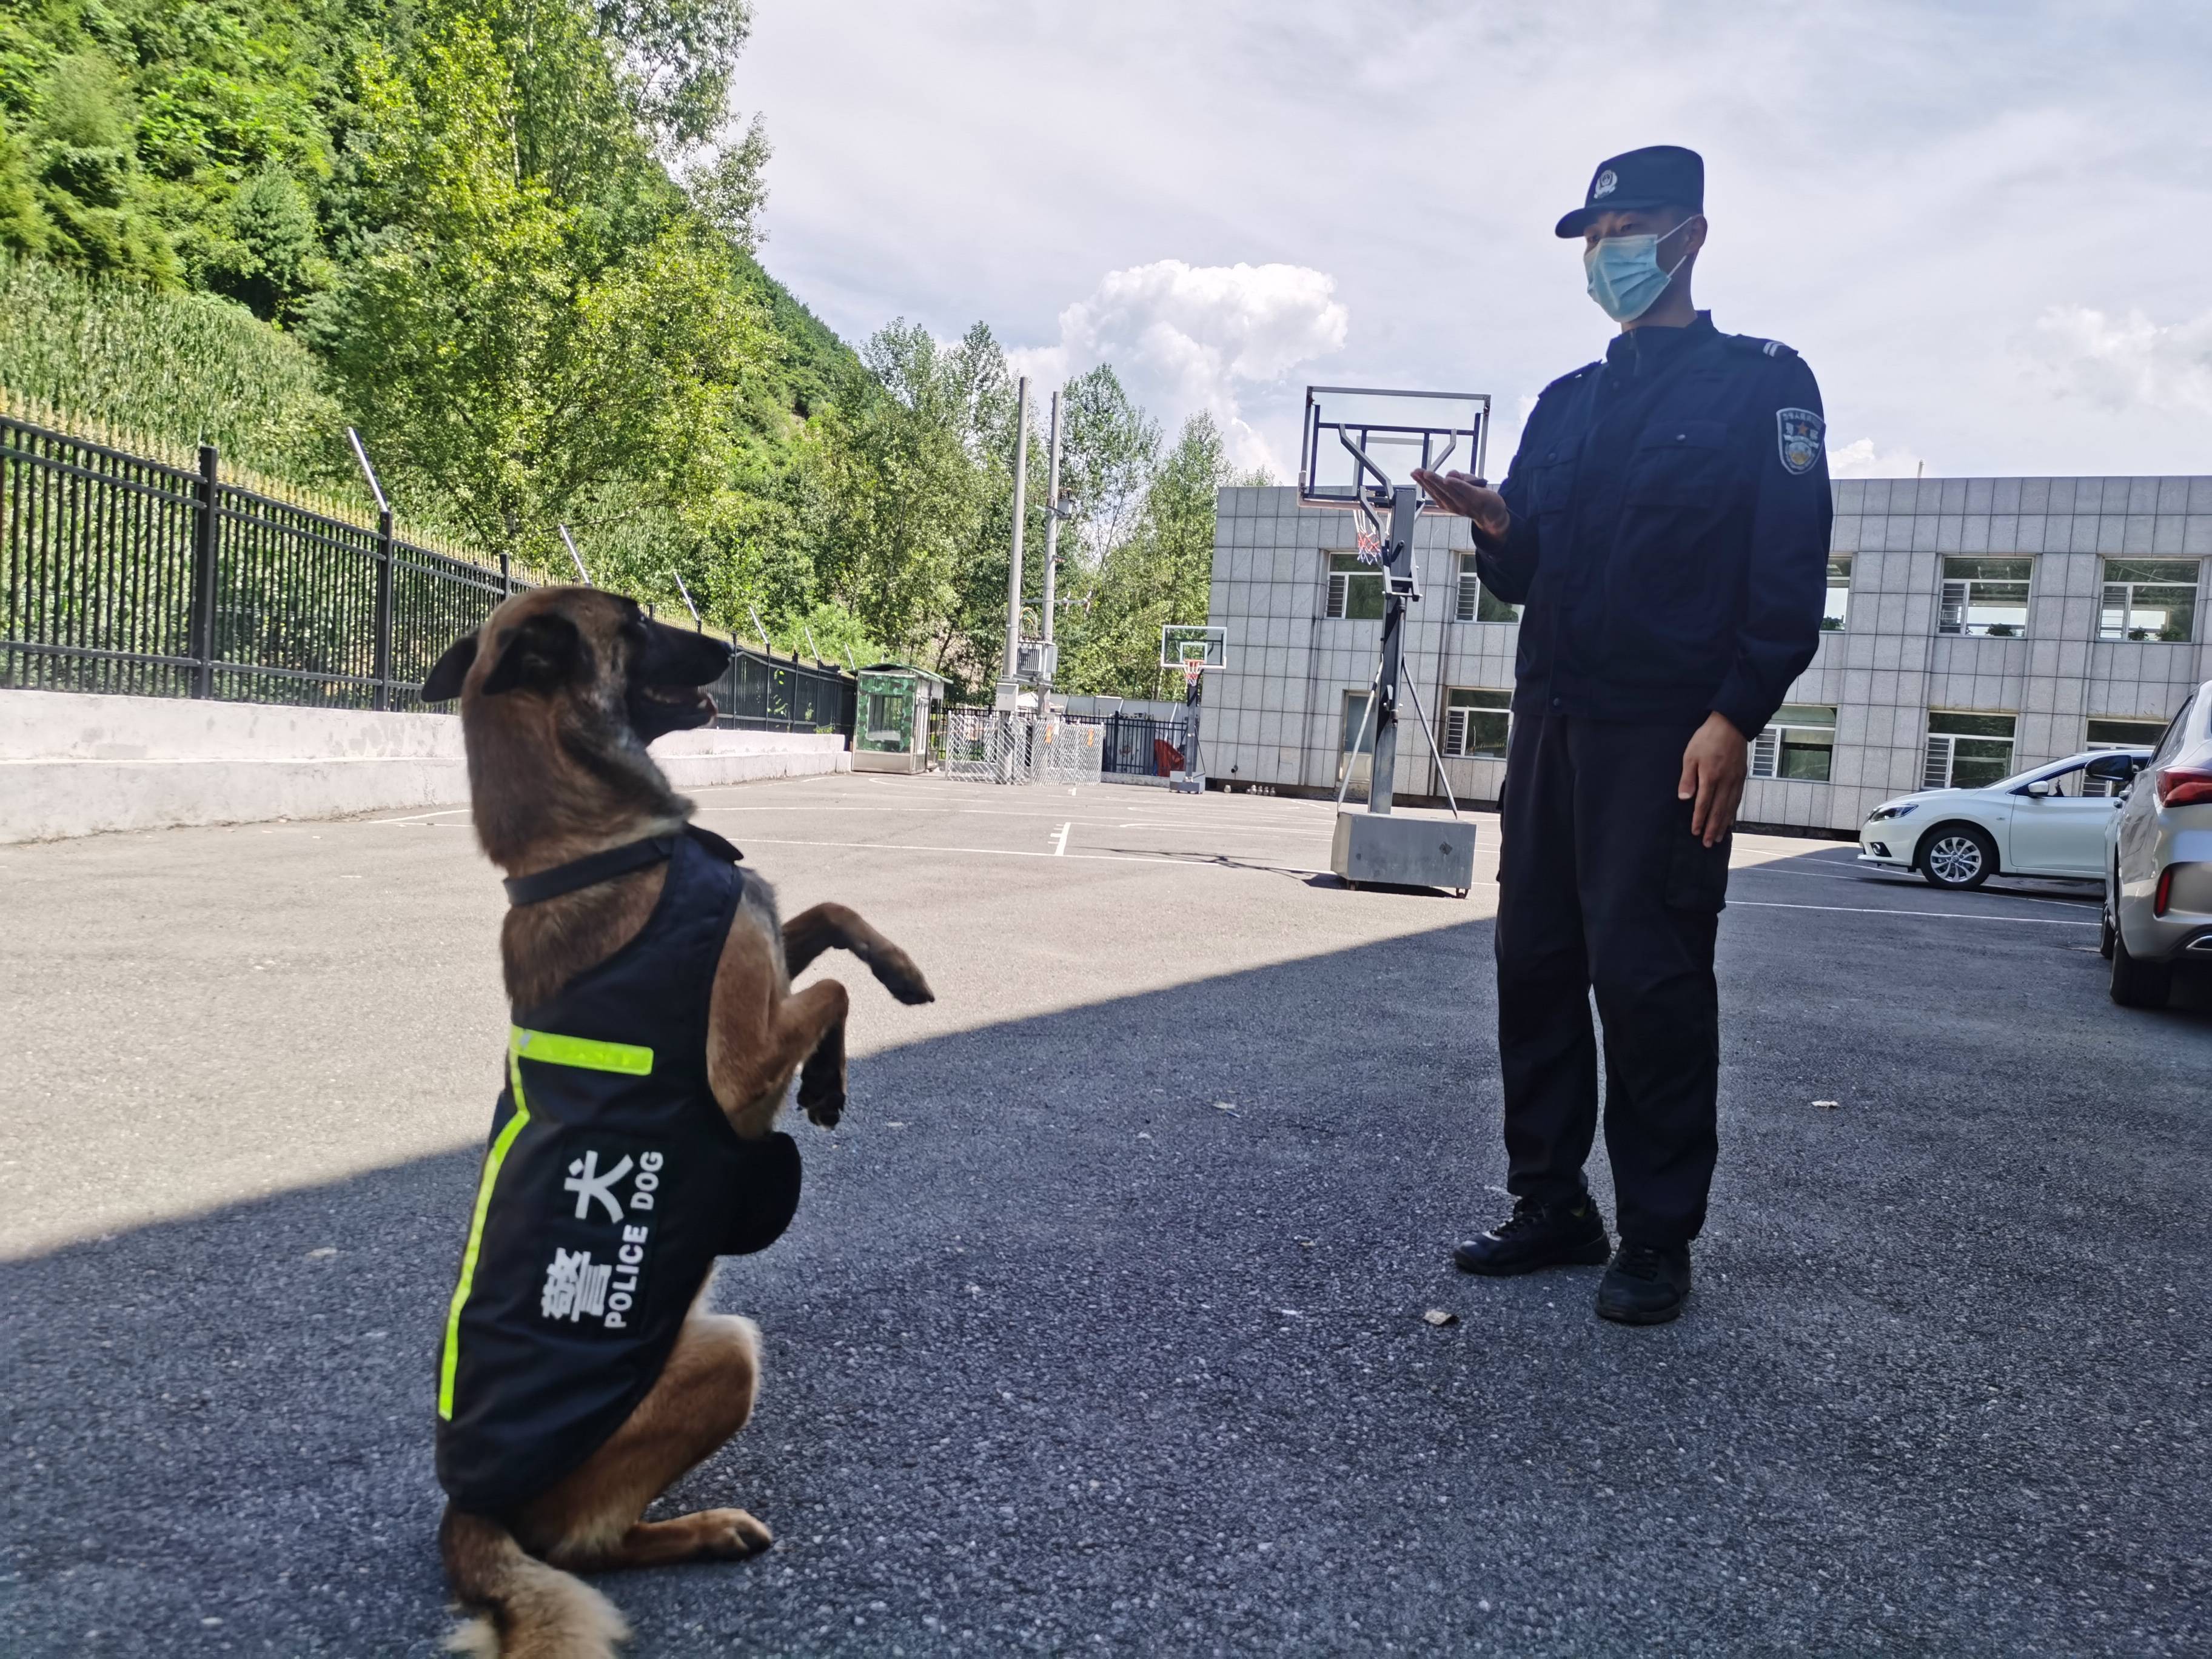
(1798, 432)
(1764, 348)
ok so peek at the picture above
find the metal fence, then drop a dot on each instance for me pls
(1130, 744)
(984, 745)
(120, 573)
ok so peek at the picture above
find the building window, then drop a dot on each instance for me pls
(2125, 733)
(1358, 728)
(1476, 723)
(1799, 743)
(1476, 602)
(2149, 599)
(1838, 611)
(2119, 734)
(1355, 589)
(1967, 751)
(1984, 596)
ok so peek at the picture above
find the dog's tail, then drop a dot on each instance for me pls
(527, 1610)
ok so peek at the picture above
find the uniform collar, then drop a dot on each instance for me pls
(1639, 349)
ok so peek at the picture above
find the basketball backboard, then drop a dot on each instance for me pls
(1398, 431)
(1183, 644)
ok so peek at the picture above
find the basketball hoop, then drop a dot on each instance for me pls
(1194, 663)
(1369, 544)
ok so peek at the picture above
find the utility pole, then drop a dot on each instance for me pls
(1021, 494)
(1051, 552)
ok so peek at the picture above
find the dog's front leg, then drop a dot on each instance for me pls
(822, 1080)
(838, 927)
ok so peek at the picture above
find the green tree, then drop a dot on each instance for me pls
(1162, 573)
(524, 355)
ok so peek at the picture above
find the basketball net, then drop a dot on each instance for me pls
(1193, 665)
(1369, 544)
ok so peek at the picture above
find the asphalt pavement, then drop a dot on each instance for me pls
(1100, 1329)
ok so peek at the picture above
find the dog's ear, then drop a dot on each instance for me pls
(445, 682)
(539, 651)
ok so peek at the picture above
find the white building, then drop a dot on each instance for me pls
(1976, 626)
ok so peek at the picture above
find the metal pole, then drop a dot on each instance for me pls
(758, 630)
(367, 471)
(384, 609)
(813, 648)
(569, 542)
(1021, 507)
(1051, 525)
(686, 593)
(203, 555)
(1397, 565)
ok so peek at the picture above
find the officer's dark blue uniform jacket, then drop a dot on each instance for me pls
(611, 1182)
(1669, 536)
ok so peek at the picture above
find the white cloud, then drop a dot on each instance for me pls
(1896, 189)
(1861, 459)
(1186, 339)
(2127, 363)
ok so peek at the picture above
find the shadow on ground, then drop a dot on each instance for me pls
(1117, 1345)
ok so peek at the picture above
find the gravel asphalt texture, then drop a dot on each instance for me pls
(1100, 1329)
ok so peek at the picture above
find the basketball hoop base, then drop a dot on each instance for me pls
(1187, 783)
(1389, 849)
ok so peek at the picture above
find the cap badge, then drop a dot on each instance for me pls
(1605, 185)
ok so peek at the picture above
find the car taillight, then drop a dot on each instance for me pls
(2184, 786)
(2165, 894)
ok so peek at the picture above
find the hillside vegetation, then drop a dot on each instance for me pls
(512, 242)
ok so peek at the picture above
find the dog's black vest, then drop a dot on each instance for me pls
(611, 1181)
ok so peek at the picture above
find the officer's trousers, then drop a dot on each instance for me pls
(1602, 886)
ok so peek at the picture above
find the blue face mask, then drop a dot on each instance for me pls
(1624, 274)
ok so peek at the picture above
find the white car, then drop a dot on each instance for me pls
(2158, 878)
(2050, 820)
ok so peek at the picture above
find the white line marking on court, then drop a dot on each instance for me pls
(1861, 876)
(422, 817)
(1059, 848)
(1894, 910)
(1178, 862)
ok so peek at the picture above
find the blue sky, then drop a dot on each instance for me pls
(1988, 229)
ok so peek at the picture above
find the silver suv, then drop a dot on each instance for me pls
(2158, 863)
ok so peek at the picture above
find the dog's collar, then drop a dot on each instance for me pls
(590, 870)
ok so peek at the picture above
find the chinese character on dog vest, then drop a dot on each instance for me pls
(575, 1285)
(584, 1181)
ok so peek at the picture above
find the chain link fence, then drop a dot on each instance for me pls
(984, 745)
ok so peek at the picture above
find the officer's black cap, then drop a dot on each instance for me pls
(1658, 175)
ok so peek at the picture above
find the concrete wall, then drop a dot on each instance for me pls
(76, 765)
(1274, 715)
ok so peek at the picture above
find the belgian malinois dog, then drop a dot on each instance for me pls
(567, 1406)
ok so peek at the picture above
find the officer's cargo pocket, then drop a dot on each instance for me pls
(1696, 875)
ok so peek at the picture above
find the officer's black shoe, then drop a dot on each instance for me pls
(1563, 1233)
(1645, 1284)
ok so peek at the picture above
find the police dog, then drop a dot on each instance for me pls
(560, 691)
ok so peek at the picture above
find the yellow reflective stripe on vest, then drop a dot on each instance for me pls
(584, 1053)
(485, 1183)
(551, 1048)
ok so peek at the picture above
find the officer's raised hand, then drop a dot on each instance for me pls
(1468, 496)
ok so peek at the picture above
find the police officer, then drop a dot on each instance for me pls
(1665, 524)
